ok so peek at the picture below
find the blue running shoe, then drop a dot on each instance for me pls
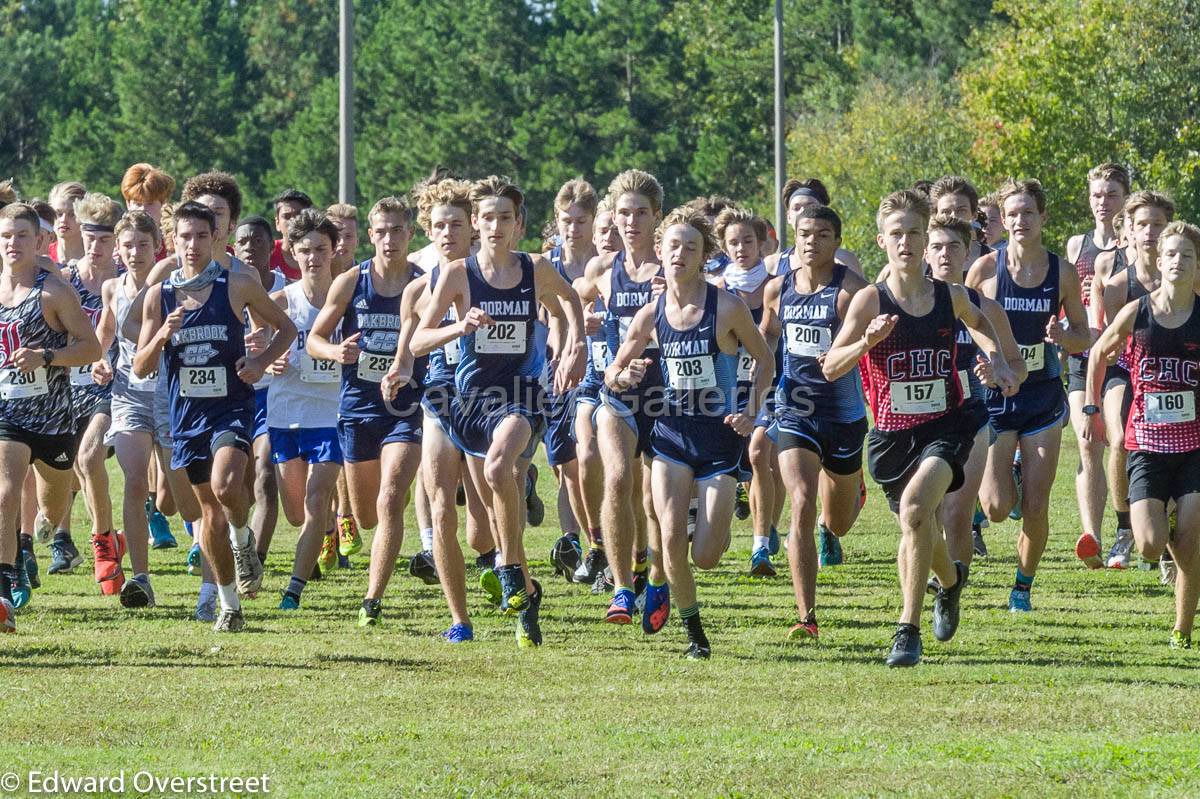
(19, 582)
(620, 611)
(160, 532)
(193, 559)
(773, 541)
(31, 564)
(1015, 513)
(289, 602)
(829, 548)
(63, 555)
(187, 528)
(206, 609)
(459, 634)
(1018, 601)
(344, 562)
(529, 628)
(657, 608)
(760, 563)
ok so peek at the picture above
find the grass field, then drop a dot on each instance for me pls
(1082, 697)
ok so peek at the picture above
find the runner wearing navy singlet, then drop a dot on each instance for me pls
(922, 436)
(39, 314)
(1035, 288)
(1147, 214)
(820, 423)
(496, 413)
(380, 435)
(1163, 432)
(697, 437)
(194, 318)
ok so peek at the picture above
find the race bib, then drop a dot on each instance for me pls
(808, 341)
(964, 382)
(1170, 407)
(372, 366)
(81, 376)
(599, 355)
(202, 381)
(691, 373)
(745, 370)
(15, 384)
(147, 383)
(623, 323)
(452, 352)
(313, 370)
(502, 338)
(1034, 356)
(918, 396)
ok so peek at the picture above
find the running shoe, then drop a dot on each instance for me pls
(829, 548)
(1180, 641)
(328, 555)
(249, 569)
(31, 564)
(805, 630)
(566, 555)
(160, 529)
(1118, 555)
(486, 561)
(773, 541)
(760, 563)
(620, 611)
(370, 613)
(1019, 602)
(1167, 573)
(343, 563)
(43, 531)
(289, 601)
(187, 528)
(8, 614)
(657, 608)
(19, 584)
(206, 609)
(193, 559)
(1015, 513)
(230, 621)
(697, 651)
(107, 554)
(741, 503)
(977, 542)
(349, 541)
(422, 567)
(64, 556)
(641, 579)
(1087, 549)
(534, 507)
(459, 634)
(906, 647)
(603, 584)
(513, 597)
(137, 593)
(593, 564)
(946, 605)
(489, 583)
(529, 628)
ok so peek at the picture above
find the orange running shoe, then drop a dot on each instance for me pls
(1087, 549)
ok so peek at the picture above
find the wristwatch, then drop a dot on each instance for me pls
(47, 356)
(1091, 410)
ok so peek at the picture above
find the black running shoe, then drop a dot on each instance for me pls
(946, 606)
(698, 646)
(593, 564)
(422, 567)
(906, 646)
(977, 541)
(316, 572)
(566, 555)
(697, 651)
(529, 628)
(741, 503)
(535, 509)
(486, 561)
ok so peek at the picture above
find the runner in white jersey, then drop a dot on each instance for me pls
(302, 412)
(139, 430)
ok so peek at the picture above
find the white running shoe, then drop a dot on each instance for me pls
(1118, 556)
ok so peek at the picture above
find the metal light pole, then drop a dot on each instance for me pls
(780, 161)
(346, 103)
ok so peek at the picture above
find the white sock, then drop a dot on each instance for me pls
(229, 598)
(427, 539)
(760, 542)
(239, 536)
(499, 558)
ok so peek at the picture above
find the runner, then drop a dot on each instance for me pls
(194, 318)
(1163, 433)
(496, 416)
(380, 436)
(922, 436)
(288, 204)
(819, 425)
(68, 243)
(1035, 288)
(697, 440)
(798, 194)
(39, 315)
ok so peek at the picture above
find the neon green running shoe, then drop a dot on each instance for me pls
(1180, 641)
(490, 583)
(349, 541)
(369, 613)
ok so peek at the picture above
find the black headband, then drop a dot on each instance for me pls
(804, 191)
(94, 227)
